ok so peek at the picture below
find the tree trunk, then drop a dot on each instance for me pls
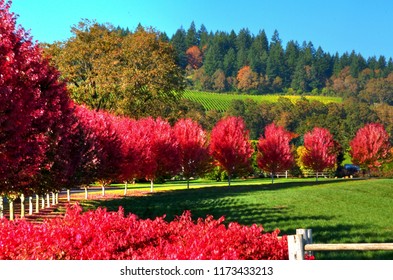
(229, 180)
(53, 198)
(42, 202)
(188, 183)
(103, 190)
(68, 195)
(151, 185)
(317, 177)
(272, 175)
(85, 192)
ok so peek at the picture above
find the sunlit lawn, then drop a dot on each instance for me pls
(338, 211)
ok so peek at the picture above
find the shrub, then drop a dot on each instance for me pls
(103, 235)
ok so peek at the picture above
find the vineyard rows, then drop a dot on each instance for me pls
(221, 101)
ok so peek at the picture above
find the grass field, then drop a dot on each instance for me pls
(338, 211)
(221, 101)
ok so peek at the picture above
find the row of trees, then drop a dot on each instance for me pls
(246, 62)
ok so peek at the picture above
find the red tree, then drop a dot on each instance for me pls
(34, 113)
(127, 131)
(230, 146)
(107, 145)
(194, 57)
(193, 148)
(370, 147)
(160, 155)
(320, 150)
(274, 151)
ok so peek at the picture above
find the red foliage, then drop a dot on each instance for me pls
(194, 57)
(34, 107)
(193, 147)
(130, 149)
(274, 150)
(370, 147)
(160, 154)
(102, 235)
(321, 150)
(230, 146)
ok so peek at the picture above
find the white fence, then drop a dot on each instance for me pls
(301, 244)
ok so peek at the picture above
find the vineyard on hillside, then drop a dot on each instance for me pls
(221, 101)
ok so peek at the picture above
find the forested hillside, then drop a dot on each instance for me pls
(221, 61)
(143, 73)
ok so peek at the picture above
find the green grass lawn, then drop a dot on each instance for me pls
(338, 211)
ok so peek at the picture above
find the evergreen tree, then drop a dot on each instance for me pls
(258, 53)
(179, 44)
(203, 36)
(291, 60)
(243, 44)
(275, 63)
(192, 36)
(229, 64)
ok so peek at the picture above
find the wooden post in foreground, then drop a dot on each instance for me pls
(295, 247)
(30, 205)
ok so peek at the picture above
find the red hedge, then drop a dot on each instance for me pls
(103, 235)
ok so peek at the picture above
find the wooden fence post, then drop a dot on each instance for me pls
(30, 205)
(22, 205)
(47, 200)
(307, 237)
(295, 247)
(37, 203)
(1, 207)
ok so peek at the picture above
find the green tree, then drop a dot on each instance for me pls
(275, 63)
(258, 53)
(192, 36)
(179, 43)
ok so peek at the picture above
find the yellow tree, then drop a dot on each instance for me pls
(134, 74)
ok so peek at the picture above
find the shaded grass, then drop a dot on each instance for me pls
(338, 211)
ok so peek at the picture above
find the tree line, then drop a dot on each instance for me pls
(229, 61)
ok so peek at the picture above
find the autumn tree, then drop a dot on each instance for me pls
(230, 146)
(193, 148)
(107, 146)
(134, 74)
(34, 109)
(320, 150)
(247, 79)
(370, 147)
(194, 57)
(274, 151)
(160, 153)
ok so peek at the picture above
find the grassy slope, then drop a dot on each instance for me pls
(338, 211)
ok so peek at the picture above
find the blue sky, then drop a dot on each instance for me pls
(335, 25)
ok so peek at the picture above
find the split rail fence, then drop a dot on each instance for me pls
(301, 244)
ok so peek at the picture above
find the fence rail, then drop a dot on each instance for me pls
(301, 244)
